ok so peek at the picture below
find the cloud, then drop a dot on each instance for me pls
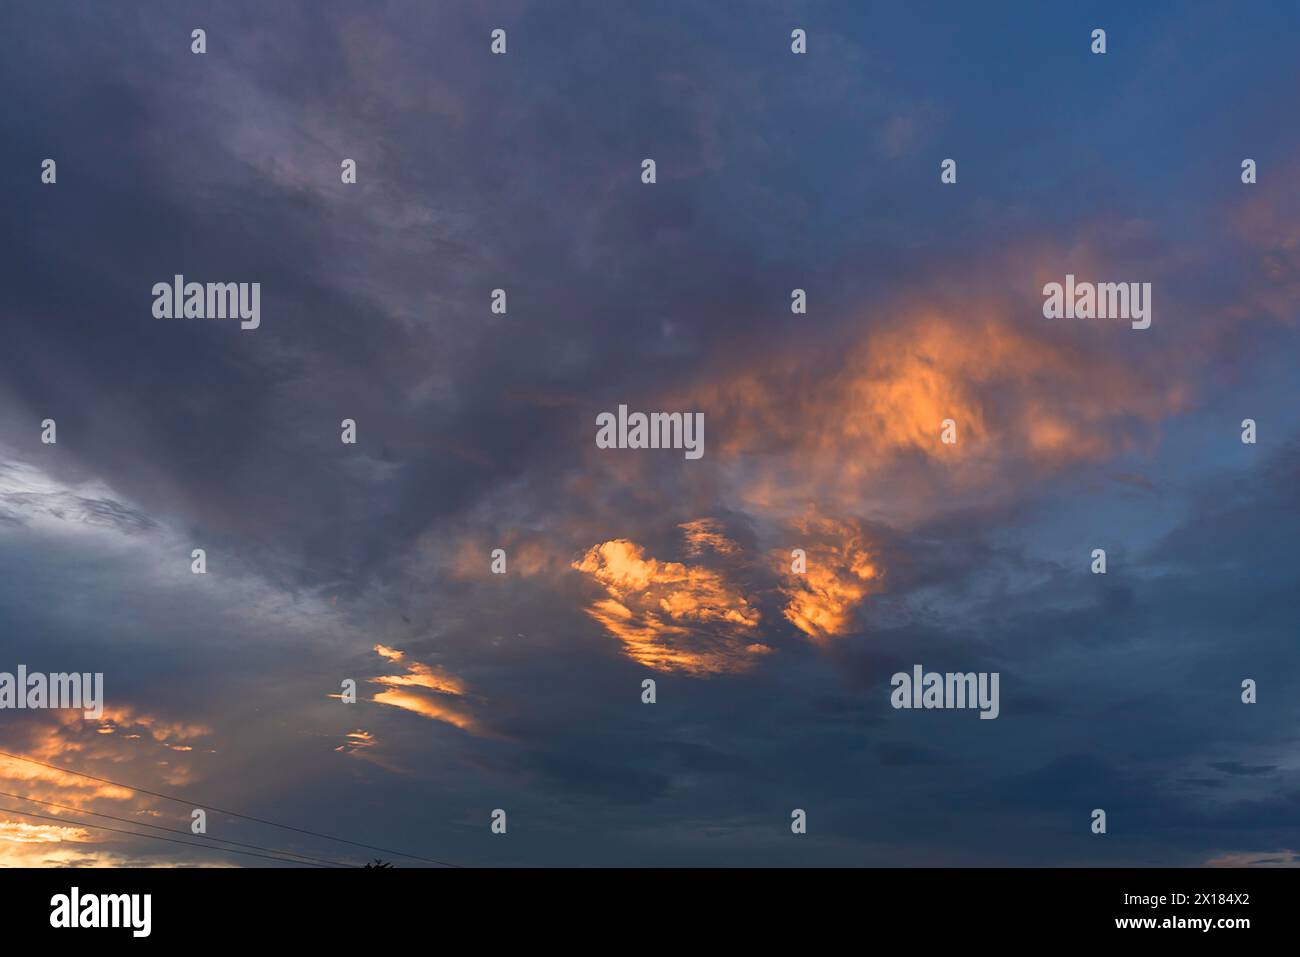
(355, 741)
(476, 430)
(841, 571)
(28, 495)
(23, 833)
(429, 692)
(858, 424)
(1237, 768)
(418, 675)
(124, 744)
(672, 616)
(704, 535)
(1280, 858)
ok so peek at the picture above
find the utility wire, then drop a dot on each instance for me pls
(155, 837)
(172, 830)
(246, 817)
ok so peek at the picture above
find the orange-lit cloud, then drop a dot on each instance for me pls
(418, 675)
(841, 571)
(22, 833)
(671, 616)
(355, 741)
(427, 691)
(28, 842)
(856, 425)
(68, 738)
(138, 724)
(1007, 390)
(124, 744)
(706, 535)
(430, 708)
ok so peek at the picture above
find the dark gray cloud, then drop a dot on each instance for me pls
(475, 430)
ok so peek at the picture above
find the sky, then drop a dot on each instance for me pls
(476, 430)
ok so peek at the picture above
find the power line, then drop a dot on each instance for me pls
(154, 837)
(307, 858)
(246, 817)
